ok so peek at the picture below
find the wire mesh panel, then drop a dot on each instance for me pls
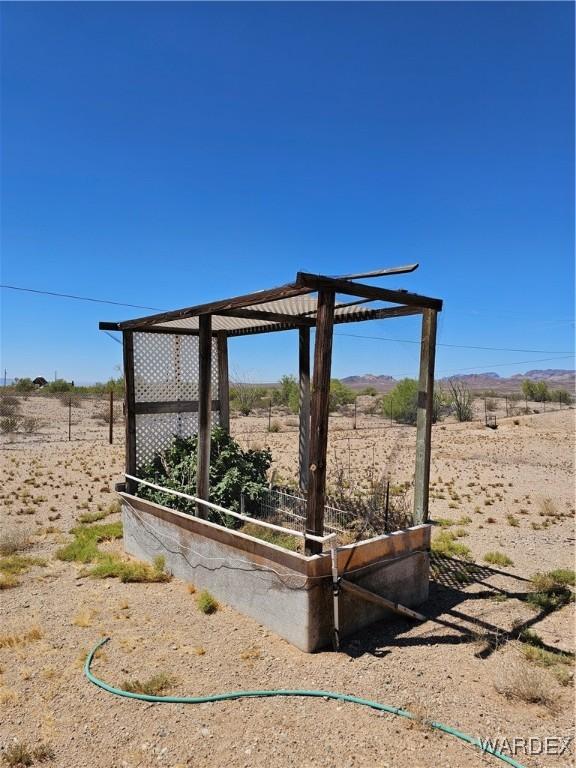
(286, 509)
(166, 370)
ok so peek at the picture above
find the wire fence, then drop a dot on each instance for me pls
(67, 416)
(370, 413)
(279, 506)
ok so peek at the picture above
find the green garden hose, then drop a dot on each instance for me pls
(484, 746)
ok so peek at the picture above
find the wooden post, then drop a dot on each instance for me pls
(304, 429)
(424, 416)
(111, 422)
(204, 412)
(129, 407)
(69, 418)
(319, 419)
(355, 410)
(269, 414)
(223, 381)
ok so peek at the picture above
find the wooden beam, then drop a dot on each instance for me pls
(214, 307)
(424, 416)
(204, 420)
(381, 272)
(363, 315)
(383, 602)
(319, 419)
(223, 381)
(263, 329)
(376, 314)
(172, 406)
(106, 326)
(348, 287)
(304, 383)
(129, 409)
(273, 317)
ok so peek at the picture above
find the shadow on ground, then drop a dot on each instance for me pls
(453, 583)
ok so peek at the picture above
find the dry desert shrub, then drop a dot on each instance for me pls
(520, 681)
(15, 639)
(14, 540)
(154, 686)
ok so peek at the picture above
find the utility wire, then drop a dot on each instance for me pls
(350, 335)
(78, 298)
(455, 346)
(113, 337)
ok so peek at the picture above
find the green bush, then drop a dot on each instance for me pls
(402, 402)
(562, 396)
(536, 390)
(232, 472)
(287, 393)
(340, 394)
(498, 558)
(246, 396)
(206, 603)
(59, 385)
(24, 385)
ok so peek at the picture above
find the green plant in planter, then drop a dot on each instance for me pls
(233, 471)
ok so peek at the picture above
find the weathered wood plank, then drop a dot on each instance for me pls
(424, 417)
(130, 413)
(223, 381)
(214, 307)
(204, 401)
(172, 406)
(319, 419)
(321, 282)
(273, 317)
(304, 427)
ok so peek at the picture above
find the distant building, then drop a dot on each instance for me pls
(40, 381)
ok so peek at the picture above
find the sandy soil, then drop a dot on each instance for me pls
(434, 668)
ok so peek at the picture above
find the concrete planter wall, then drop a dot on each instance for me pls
(285, 591)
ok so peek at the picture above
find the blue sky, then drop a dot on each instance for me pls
(167, 154)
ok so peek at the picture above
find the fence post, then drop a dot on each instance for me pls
(269, 414)
(70, 418)
(111, 424)
(506, 399)
(355, 409)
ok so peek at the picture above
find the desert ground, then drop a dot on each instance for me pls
(509, 491)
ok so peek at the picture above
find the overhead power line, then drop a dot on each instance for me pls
(351, 335)
(78, 298)
(454, 346)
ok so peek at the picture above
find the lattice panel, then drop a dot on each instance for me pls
(155, 432)
(166, 369)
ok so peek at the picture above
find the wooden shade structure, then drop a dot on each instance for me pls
(311, 301)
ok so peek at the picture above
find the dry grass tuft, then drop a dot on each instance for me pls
(498, 558)
(206, 603)
(156, 685)
(21, 755)
(14, 640)
(7, 581)
(83, 618)
(14, 540)
(251, 654)
(7, 696)
(520, 681)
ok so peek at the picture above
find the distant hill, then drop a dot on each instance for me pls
(556, 378)
(382, 383)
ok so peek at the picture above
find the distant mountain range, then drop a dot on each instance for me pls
(556, 378)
